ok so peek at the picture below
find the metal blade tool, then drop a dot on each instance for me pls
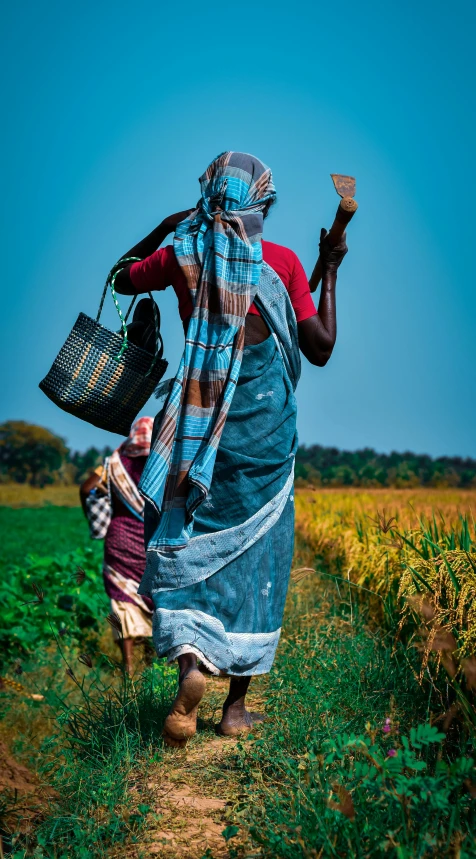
(345, 187)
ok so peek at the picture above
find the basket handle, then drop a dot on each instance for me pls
(110, 280)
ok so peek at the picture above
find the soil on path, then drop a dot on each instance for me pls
(193, 792)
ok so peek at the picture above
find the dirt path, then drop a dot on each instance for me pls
(191, 791)
(195, 792)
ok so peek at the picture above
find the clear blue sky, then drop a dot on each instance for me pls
(114, 109)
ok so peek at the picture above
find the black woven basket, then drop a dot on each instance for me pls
(99, 375)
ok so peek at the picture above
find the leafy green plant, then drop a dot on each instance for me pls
(419, 806)
(63, 593)
(359, 796)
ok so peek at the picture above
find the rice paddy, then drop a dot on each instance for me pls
(368, 750)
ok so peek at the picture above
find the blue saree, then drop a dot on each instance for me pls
(222, 595)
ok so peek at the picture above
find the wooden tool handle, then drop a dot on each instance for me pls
(345, 212)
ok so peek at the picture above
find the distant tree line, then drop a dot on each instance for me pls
(328, 466)
(35, 455)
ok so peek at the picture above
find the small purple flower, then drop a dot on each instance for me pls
(387, 726)
(392, 753)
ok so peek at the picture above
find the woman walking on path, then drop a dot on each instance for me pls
(218, 483)
(124, 555)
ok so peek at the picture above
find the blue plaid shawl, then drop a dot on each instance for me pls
(219, 250)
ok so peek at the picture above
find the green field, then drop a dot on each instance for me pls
(363, 753)
(42, 548)
(44, 531)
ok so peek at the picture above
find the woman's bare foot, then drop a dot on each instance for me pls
(237, 719)
(181, 723)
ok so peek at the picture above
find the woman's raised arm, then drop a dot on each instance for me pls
(317, 335)
(146, 247)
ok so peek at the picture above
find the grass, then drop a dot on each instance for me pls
(316, 780)
(96, 764)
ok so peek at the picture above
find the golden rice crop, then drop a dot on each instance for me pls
(24, 495)
(415, 552)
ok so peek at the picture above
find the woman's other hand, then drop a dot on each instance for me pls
(170, 223)
(331, 257)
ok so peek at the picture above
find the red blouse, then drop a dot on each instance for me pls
(161, 269)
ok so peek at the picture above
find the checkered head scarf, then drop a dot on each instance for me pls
(218, 248)
(138, 441)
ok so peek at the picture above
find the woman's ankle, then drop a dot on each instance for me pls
(187, 662)
(237, 704)
(237, 693)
